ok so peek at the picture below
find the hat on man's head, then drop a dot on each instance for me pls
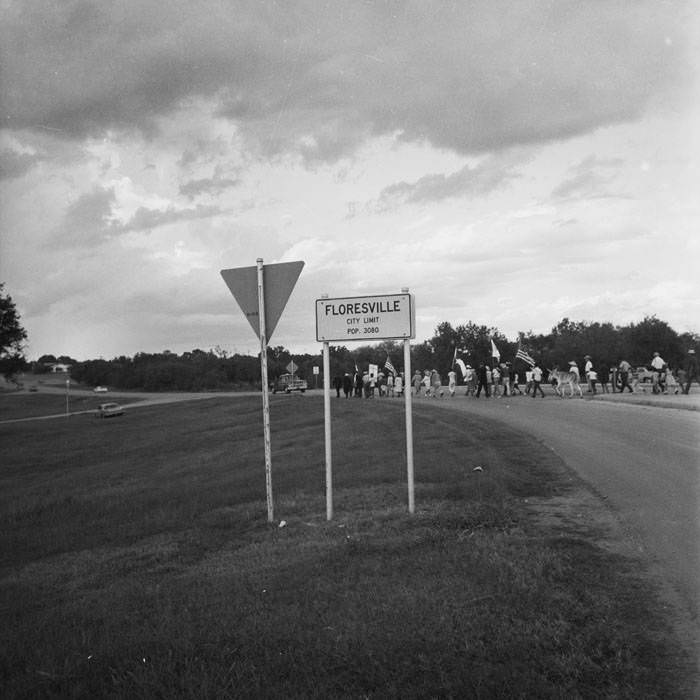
(572, 362)
(656, 354)
(586, 357)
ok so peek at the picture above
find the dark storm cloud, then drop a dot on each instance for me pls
(209, 185)
(89, 221)
(85, 220)
(469, 181)
(14, 164)
(317, 78)
(589, 179)
(145, 219)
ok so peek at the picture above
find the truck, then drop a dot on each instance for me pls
(289, 383)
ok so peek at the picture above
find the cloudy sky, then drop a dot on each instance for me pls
(512, 163)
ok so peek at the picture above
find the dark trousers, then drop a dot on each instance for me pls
(624, 382)
(535, 388)
(485, 386)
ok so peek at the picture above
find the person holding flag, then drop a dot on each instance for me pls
(530, 362)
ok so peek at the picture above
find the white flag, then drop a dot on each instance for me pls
(462, 366)
(494, 350)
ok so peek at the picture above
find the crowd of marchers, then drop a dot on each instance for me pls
(501, 379)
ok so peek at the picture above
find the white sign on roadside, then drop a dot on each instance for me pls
(383, 317)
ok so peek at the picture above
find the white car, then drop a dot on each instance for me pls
(100, 389)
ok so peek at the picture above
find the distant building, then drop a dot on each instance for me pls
(59, 367)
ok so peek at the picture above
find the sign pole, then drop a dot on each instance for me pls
(327, 421)
(409, 422)
(327, 426)
(265, 396)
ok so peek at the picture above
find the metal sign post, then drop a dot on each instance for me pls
(327, 426)
(327, 430)
(263, 291)
(409, 425)
(265, 395)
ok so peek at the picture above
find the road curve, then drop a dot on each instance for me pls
(644, 460)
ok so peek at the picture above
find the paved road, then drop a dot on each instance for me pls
(645, 460)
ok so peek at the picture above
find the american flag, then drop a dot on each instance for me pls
(522, 355)
(389, 366)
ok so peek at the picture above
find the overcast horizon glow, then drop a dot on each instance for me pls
(512, 164)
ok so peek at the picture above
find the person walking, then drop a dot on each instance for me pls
(537, 381)
(337, 385)
(452, 382)
(506, 378)
(425, 382)
(436, 384)
(658, 370)
(416, 381)
(691, 370)
(470, 380)
(366, 385)
(347, 385)
(359, 384)
(573, 367)
(587, 369)
(496, 381)
(514, 382)
(482, 381)
(398, 385)
(624, 369)
(604, 378)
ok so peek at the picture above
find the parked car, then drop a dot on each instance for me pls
(108, 410)
(100, 389)
(289, 383)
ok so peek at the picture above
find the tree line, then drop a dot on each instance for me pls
(200, 370)
(211, 370)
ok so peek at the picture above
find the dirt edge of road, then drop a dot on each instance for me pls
(583, 512)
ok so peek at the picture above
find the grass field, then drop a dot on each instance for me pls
(137, 563)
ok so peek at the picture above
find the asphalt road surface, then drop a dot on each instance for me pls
(644, 460)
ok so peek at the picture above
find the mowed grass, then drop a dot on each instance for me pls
(137, 562)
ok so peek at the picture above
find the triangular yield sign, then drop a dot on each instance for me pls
(278, 282)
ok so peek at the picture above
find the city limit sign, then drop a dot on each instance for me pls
(383, 317)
